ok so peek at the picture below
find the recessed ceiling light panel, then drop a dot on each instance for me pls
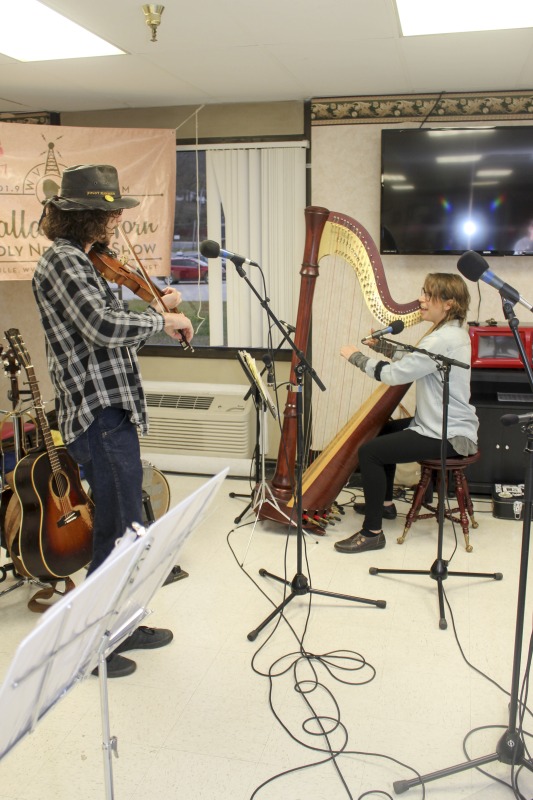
(41, 34)
(420, 17)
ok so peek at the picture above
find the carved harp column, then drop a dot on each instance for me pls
(330, 233)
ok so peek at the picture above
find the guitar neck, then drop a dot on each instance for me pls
(41, 417)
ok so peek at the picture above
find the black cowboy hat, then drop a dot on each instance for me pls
(91, 186)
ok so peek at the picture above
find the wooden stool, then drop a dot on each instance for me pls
(431, 470)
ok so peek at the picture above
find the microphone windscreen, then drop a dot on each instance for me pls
(396, 326)
(472, 265)
(509, 419)
(209, 248)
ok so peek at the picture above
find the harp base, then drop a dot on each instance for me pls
(278, 512)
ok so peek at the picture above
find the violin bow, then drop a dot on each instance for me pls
(143, 271)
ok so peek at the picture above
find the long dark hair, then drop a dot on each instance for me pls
(445, 286)
(84, 226)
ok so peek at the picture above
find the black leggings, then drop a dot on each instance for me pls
(378, 459)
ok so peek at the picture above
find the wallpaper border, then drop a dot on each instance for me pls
(422, 107)
(31, 117)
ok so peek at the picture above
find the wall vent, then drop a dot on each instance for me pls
(199, 427)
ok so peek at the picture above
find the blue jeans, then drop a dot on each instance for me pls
(110, 455)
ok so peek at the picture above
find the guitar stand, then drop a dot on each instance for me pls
(10, 566)
(21, 581)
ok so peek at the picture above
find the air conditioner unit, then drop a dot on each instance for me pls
(199, 427)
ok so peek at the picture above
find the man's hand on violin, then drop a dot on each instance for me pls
(178, 326)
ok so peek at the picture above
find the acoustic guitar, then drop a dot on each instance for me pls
(50, 530)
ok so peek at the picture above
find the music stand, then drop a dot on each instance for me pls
(264, 404)
(510, 748)
(439, 569)
(79, 630)
(259, 463)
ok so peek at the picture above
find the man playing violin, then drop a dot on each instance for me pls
(92, 342)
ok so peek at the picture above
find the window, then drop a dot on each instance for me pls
(250, 199)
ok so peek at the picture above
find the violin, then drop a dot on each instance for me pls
(107, 264)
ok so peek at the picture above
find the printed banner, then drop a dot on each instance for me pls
(32, 161)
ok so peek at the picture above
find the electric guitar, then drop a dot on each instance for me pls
(52, 534)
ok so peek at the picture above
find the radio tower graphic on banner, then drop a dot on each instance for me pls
(44, 179)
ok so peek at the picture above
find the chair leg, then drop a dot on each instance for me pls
(461, 502)
(416, 505)
(468, 501)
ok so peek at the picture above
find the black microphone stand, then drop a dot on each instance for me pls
(510, 748)
(299, 585)
(439, 569)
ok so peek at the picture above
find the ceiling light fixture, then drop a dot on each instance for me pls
(420, 18)
(153, 13)
(34, 26)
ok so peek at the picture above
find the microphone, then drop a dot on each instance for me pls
(211, 249)
(267, 361)
(395, 327)
(290, 328)
(516, 419)
(474, 267)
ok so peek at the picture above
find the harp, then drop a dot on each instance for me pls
(331, 233)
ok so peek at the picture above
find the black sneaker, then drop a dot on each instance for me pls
(389, 512)
(118, 666)
(361, 541)
(145, 639)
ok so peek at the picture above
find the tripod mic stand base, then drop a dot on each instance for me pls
(439, 573)
(402, 786)
(510, 750)
(243, 513)
(300, 586)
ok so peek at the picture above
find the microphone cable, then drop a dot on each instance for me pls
(337, 664)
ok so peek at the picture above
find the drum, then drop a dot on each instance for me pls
(156, 493)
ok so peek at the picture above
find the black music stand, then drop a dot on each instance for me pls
(259, 413)
(439, 568)
(262, 403)
(299, 585)
(510, 748)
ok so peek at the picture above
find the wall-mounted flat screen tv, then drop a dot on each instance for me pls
(444, 191)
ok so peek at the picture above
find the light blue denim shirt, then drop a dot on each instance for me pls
(453, 341)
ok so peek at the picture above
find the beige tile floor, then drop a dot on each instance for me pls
(194, 721)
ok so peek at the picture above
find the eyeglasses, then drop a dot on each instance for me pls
(425, 293)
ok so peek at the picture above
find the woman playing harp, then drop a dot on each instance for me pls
(444, 301)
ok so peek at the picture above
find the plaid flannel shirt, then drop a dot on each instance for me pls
(91, 340)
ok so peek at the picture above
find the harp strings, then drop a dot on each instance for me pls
(340, 316)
